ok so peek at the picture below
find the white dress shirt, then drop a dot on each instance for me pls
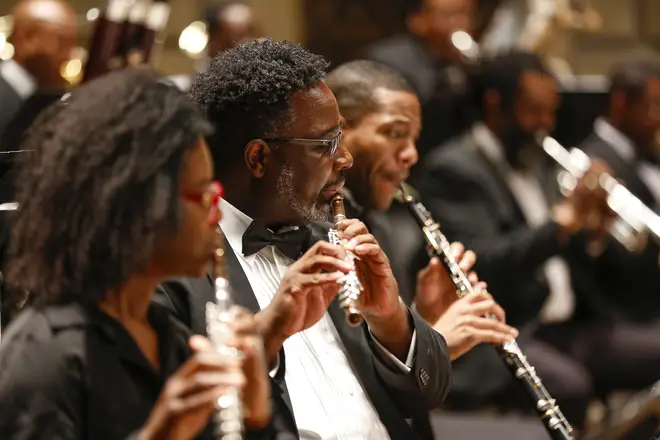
(18, 78)
(529, 195)
(328, 400)
(624, 147)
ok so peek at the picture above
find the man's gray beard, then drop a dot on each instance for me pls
(284, 186)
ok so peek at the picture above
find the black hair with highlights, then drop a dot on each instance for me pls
(100, 191)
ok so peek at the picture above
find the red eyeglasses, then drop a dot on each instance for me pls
(209, 199)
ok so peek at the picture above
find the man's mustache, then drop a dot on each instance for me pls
(339, 180)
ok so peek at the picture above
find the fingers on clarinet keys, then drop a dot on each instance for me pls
(469, 322)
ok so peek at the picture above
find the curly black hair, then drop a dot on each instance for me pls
(355, 82)
(246, 92)
(100, 190)
(503, 72)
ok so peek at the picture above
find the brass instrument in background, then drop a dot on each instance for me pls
(350, 285)
(548, 412)
(229, 407)
(634, 220)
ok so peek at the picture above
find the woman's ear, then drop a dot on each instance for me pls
(257, 156)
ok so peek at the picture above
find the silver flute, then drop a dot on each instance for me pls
(228, 416)
(350, 285)
(438, 246)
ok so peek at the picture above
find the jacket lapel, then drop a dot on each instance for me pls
(241, 289)
(360, 357)
(494, 181)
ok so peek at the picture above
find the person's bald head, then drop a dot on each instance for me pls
(44, 34)
(230, 23)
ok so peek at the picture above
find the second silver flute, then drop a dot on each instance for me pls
(229, 407)
(438, 246)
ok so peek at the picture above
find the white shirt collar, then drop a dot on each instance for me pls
(18, 78)
(234, 223)
(489, 144)
(623, 146)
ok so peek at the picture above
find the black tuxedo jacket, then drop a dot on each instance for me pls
(10, 102)
(470, 199)
(27, 112)
(627, 283)
(402, 401)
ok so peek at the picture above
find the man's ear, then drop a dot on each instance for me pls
(345, 124)
(257, 157)
(416, 24)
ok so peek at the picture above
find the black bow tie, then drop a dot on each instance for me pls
(258, 236)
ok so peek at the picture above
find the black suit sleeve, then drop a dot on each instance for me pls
(428, 382)
(466, 213)
(41, 389)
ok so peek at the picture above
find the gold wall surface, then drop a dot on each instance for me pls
(339, 28)
(631, 29)
(281, 19)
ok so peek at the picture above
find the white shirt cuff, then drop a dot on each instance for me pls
(392, 360)
(276, 367)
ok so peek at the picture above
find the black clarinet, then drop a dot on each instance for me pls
(438, 246)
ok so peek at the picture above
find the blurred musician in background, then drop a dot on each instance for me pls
(382, 121)
(277, 147)
(426, 57)
(626, 138)
(490, 190)
(44, 34)
(228, 24)
(117, 197)
(478, 188)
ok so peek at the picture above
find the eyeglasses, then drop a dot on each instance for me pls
(209, 199)
(327, 146)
